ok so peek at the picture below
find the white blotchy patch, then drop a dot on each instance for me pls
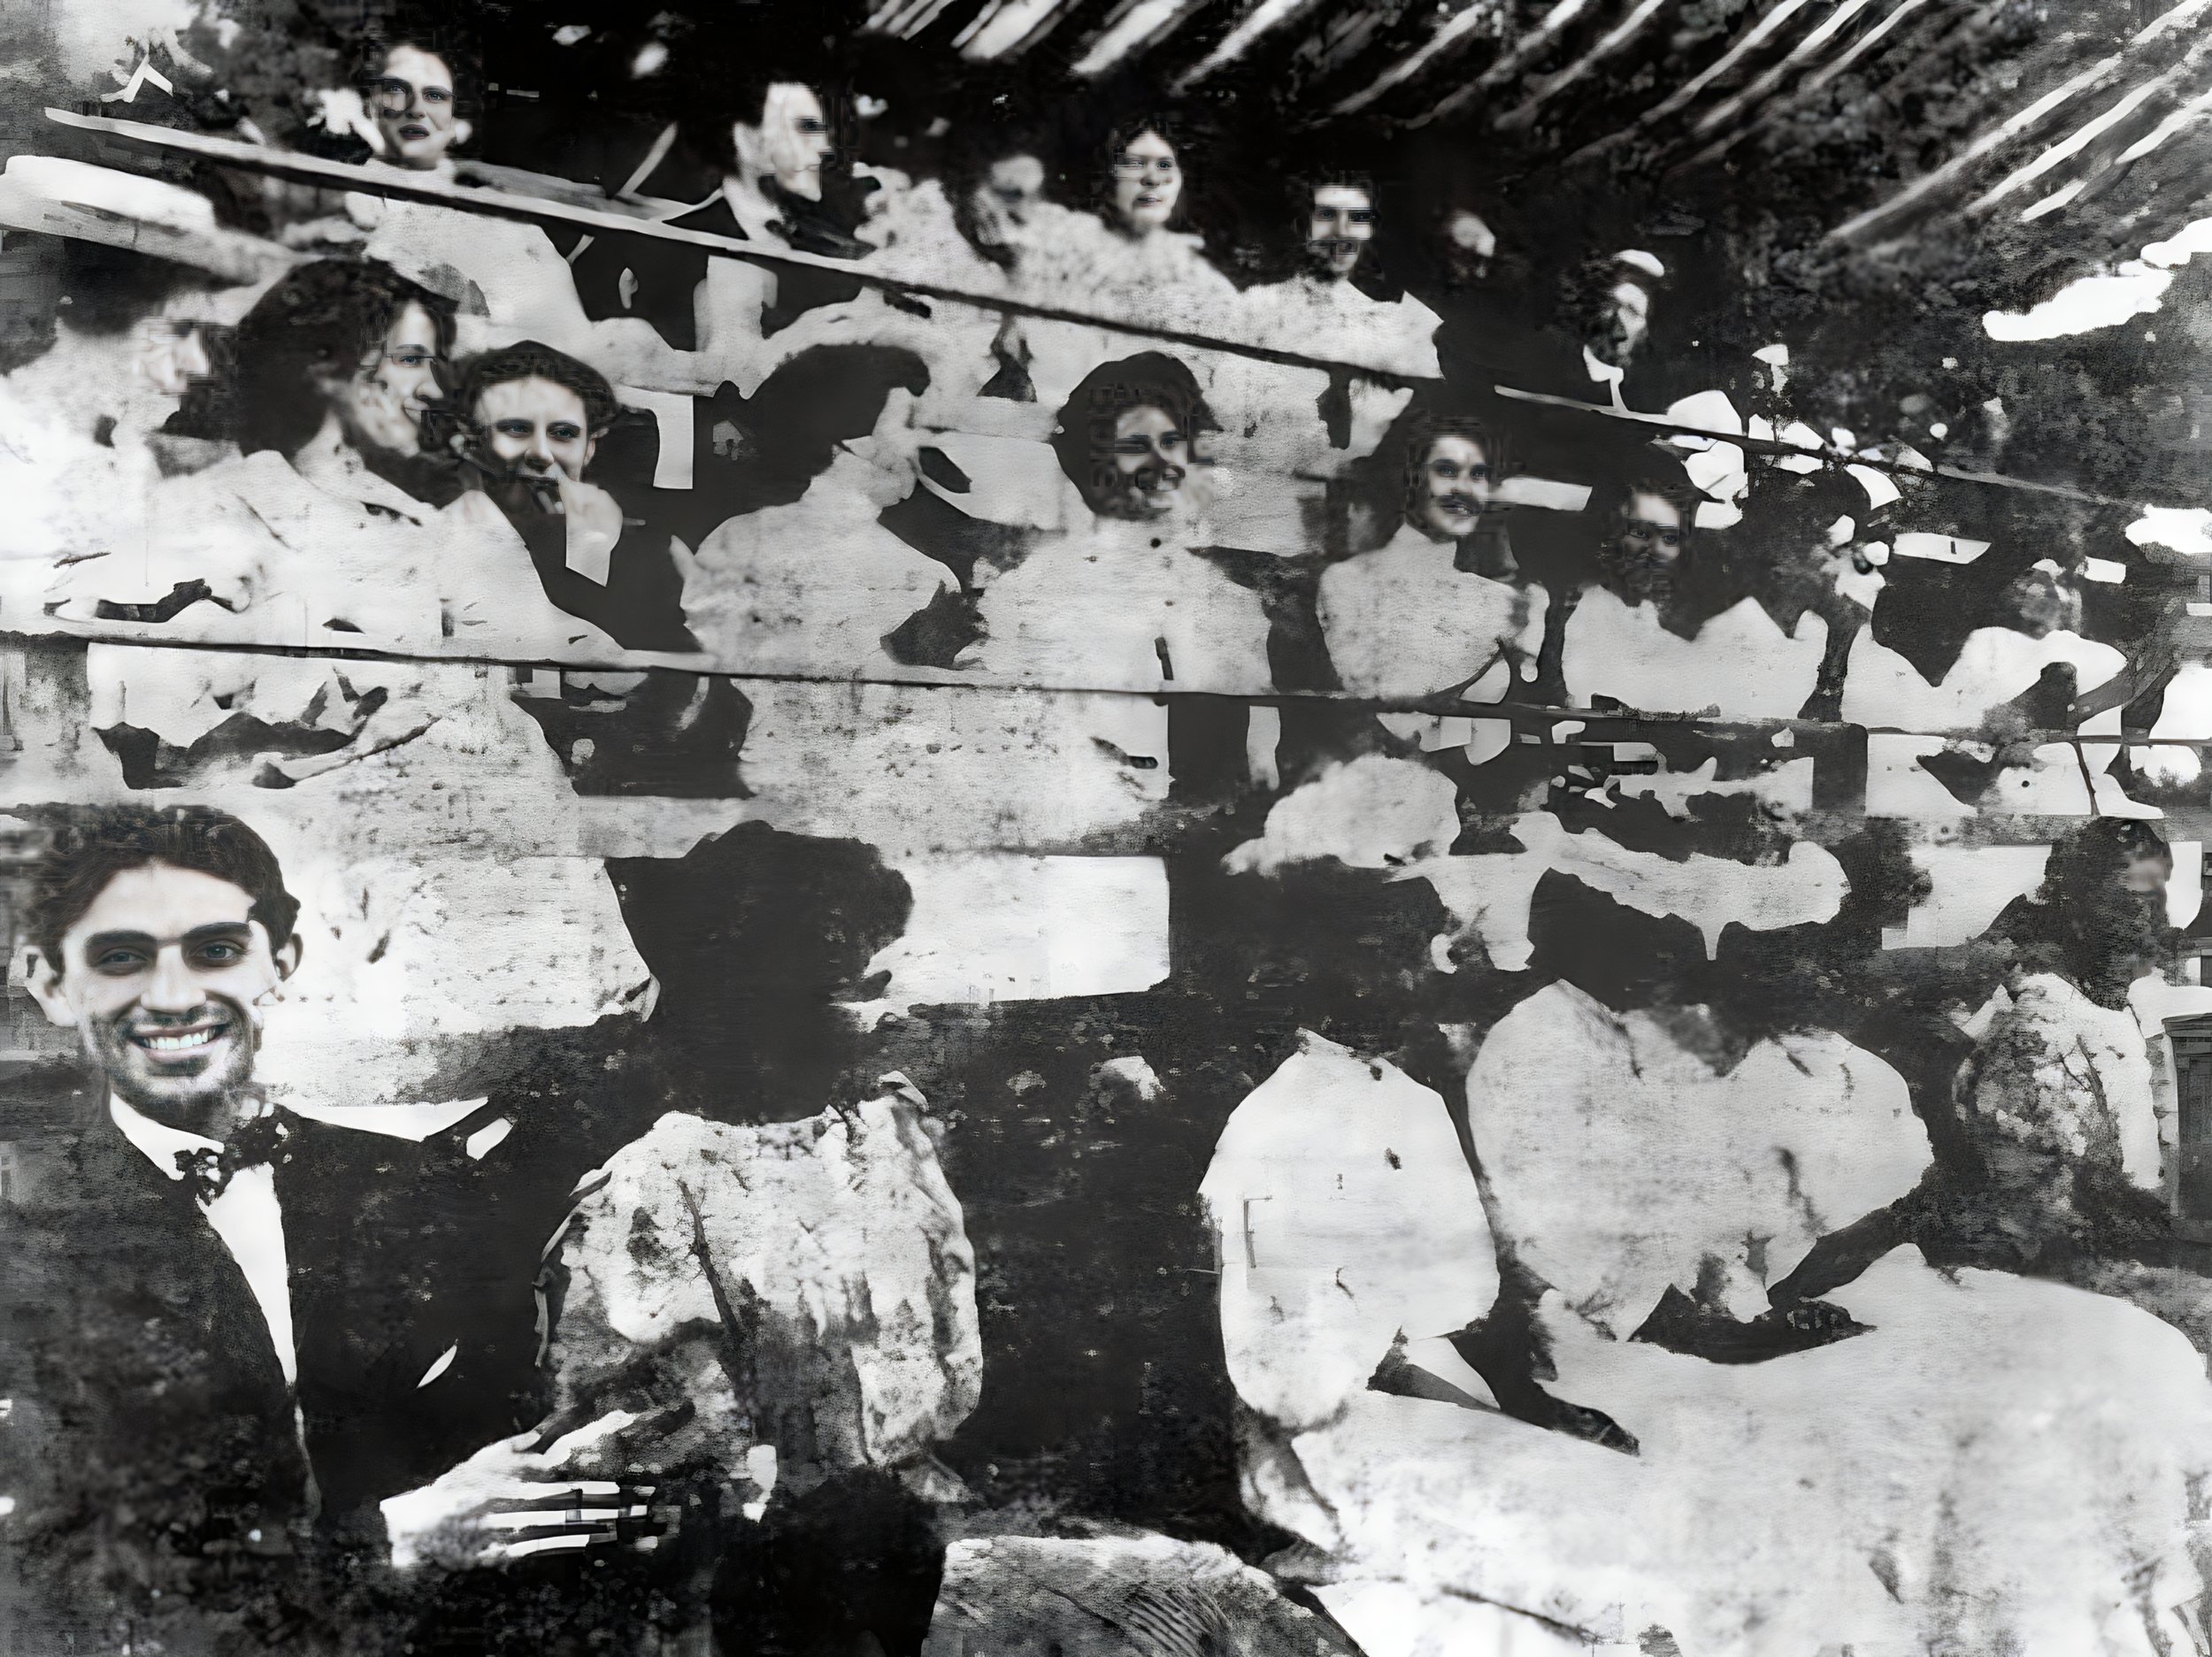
(997, 927)
(2000, 1464)
(1490, 893)
(1620, 1163)
(1344, 1215)
(1372, 812)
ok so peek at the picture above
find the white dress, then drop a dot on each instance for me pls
(1126, 607)
(811, 587)
(1739, 666)
(1159, 281)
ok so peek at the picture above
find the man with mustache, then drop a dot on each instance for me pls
(217, 1363)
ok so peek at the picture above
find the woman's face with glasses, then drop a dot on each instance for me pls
(1147, 181)
(386, 399)
(414, 102)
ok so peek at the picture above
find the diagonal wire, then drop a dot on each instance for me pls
(2014, 125)
(1509, 62)
(1268, 15)
(1457, 28)
(1139, 27)
(1728, 109)
(1822, 76)
(1759, 90)
(1864, 44)
(2090, 131)
(1626, 30)
(1681, 97)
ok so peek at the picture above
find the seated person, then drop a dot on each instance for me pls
(1127, 263)
(1130, 604)
(306, 541)
(533, 418)
(1420, 615)
(2033, 627)
(767, 139)
(1655, 633)
(82, 421)
(418, 87)
(821, 586)
(1303, 423)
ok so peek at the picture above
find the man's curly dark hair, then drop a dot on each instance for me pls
(88, 848)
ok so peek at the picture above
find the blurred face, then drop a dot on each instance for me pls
(1147, 182)
(171, 355)
(795, 139)
(1626, 321)
(2040, 604)
(1452, 489)
(1014, 186)
(537, 426)
(1469, 245)
(413, 100)
(165, 977)
(1340, 226)
(1151, 459)
(1647, 548)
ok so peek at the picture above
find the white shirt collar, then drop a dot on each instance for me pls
(160, 1142)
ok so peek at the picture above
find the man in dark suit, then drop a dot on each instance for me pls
(217, 1355)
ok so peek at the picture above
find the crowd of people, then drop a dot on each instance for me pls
(1302, 577)
(1244, 485)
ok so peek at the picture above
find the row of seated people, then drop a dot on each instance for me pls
(837, 560)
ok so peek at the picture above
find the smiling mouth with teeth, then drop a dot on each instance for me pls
(179, 1041)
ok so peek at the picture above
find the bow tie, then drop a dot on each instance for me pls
(255, 1144)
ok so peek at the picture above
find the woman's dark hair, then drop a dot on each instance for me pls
(1420, 434)
(1126, 131)
(442, 39)
(754, 937)
(1383, 486)
(90, 849)
(1609, 501)
(1083, 435)
(111, 289)
(529, 360)
(322, 322)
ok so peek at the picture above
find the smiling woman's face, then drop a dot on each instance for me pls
(1147, 182)
(164, 976)
(1455, 487)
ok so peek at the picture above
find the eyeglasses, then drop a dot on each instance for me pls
(406, 356)
(395, 96)
(1644, 529)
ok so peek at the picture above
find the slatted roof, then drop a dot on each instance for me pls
(1914, 112)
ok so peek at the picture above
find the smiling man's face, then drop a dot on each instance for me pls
(163, 977)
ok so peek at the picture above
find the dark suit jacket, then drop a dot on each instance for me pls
(160, 1478)
(150, 1445)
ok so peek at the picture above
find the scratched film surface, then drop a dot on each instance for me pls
(1017, 827)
